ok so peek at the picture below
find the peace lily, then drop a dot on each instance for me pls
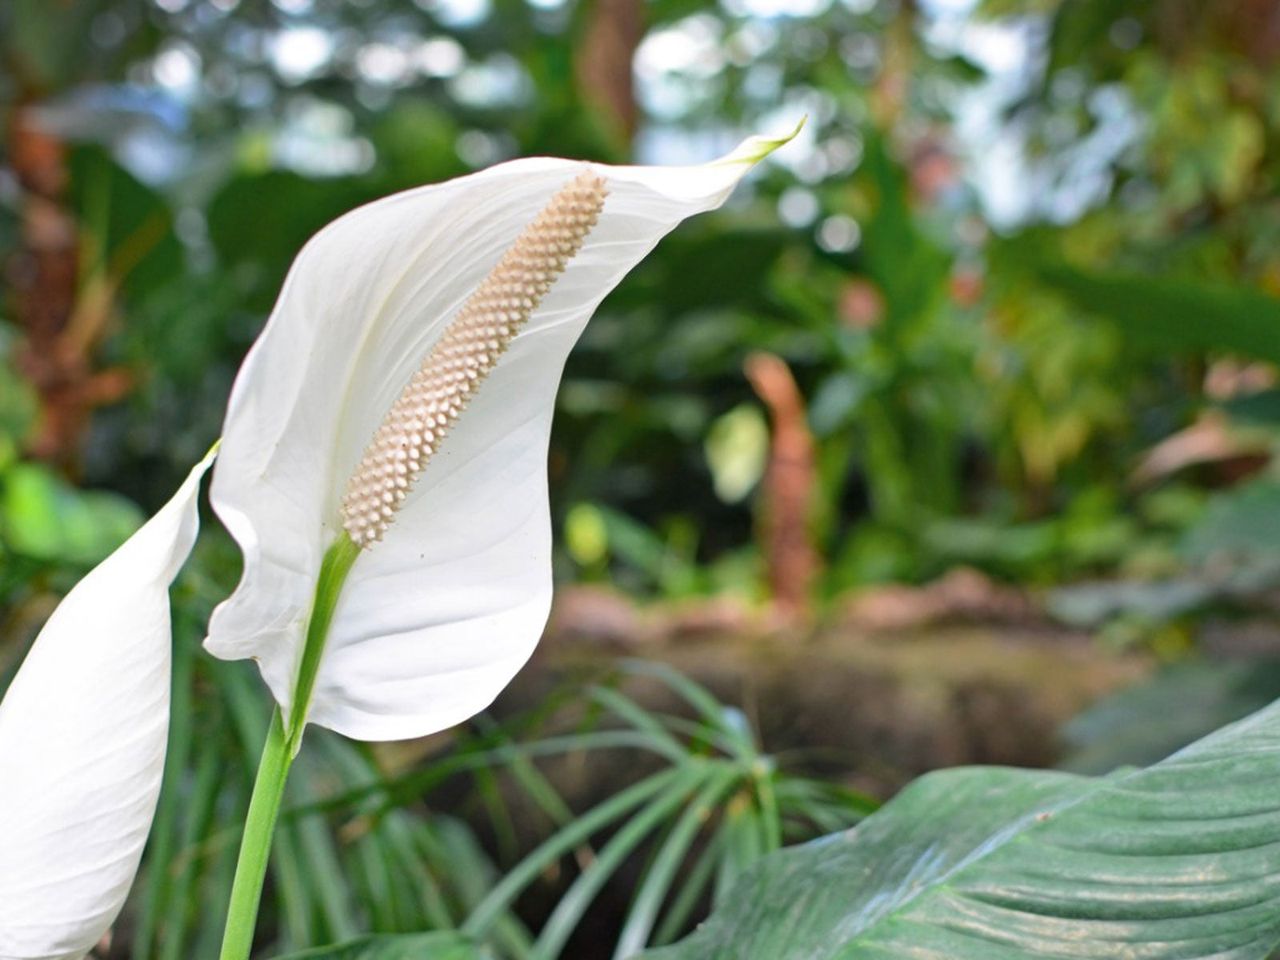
(483, 282)
(83, 729)
(383, 462)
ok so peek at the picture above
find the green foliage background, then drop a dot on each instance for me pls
(969, 376)
(993, 353)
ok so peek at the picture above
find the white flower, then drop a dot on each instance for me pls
(83, 728)
(348, 413)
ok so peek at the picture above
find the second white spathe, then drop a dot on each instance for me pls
(83, 731)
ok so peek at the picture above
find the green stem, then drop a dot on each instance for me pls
(255, 848)
(284, 739)
(333, 574)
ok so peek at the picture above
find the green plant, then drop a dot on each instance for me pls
(1179, 860)
(716, 806)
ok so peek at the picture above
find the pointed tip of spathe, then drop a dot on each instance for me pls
(782, 141)
(754, 149)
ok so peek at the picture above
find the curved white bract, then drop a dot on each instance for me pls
(437, 616)
(83, 729)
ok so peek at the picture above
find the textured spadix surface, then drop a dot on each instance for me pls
(437, 616)
(82, 741)
(460, 361)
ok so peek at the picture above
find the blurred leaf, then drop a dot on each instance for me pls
(1006, 8)
(836, 401)
(670, 278)
(1235, 152)
(46, 41)
(1079, 27)
(1242, 523)
(130, 225)
(415, 143)
(586, 534)
(905, 264)
(43, 516)
(991, 544)
(1175, 313)
(665, 561)
(737, 449)
(962, 69)
(1178, 860)
(1262, 408)
(421, 946)
(259, 221)
(1179, 704)
(18, 405)
(1094, 604)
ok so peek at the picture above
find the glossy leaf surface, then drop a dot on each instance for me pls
(1175, 861)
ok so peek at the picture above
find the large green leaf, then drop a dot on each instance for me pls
(1175, 313)
(413, 946)
(1180, 860)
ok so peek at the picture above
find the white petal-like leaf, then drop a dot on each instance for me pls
(437, 618)
(82, 741)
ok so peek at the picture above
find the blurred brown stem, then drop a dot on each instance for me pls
(787, 498)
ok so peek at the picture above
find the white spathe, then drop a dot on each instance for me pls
(83, 729)
(436, 619)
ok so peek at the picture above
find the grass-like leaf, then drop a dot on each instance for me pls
(413, 946)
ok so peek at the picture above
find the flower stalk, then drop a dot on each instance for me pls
(313, 447)
(284, 740)
(412, 430)
(255, 847)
